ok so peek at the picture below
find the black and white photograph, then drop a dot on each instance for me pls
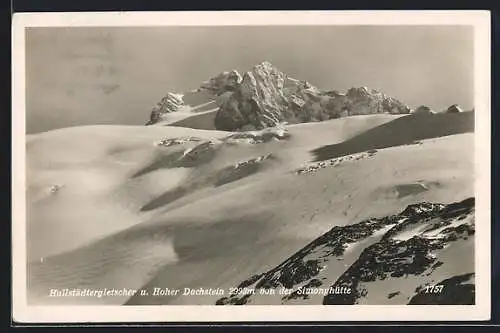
(232, 163)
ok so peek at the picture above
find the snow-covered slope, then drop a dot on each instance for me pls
(166, 206)
(388, 260)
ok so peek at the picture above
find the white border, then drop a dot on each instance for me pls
(191, 313)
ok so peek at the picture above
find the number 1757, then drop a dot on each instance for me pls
(434, 289)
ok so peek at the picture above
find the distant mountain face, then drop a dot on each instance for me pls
(265, 97)
(170, 103)
(208, 97)
(407, 258)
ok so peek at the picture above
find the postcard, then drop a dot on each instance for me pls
(251, 166)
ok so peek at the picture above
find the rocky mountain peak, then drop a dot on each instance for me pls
(258, 103)
(265, 97)
(360, 92)
(169, 103)
(265, 65)
(208, 91)
(455, 108)
(262, 80)
(225, 81)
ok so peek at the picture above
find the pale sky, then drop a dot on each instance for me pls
(83, 76)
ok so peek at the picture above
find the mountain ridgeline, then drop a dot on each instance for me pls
(398, 257)
(265, 96)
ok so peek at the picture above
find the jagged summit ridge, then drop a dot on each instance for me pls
(209, 92)
(169, 103)
(265, 96)
(257, 103)
(225, 81)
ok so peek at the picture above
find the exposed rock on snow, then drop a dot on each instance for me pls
(199, 154)
(429, 228)
(252, 161)
(170, 103)
(316, 166)
(167, 142)
(255, 137)
(454, 109)
(240, 170)
(403, 190)
(416, 254)
(55, 188)
(422, 109)
(228, 174)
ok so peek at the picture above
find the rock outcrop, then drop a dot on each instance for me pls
(398, 258)
(256, 137)
(169, 103)
(423, 109)
(454, 109)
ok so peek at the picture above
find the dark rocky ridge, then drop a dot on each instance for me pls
(392, 256)
(455, 108)
(456, 290)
